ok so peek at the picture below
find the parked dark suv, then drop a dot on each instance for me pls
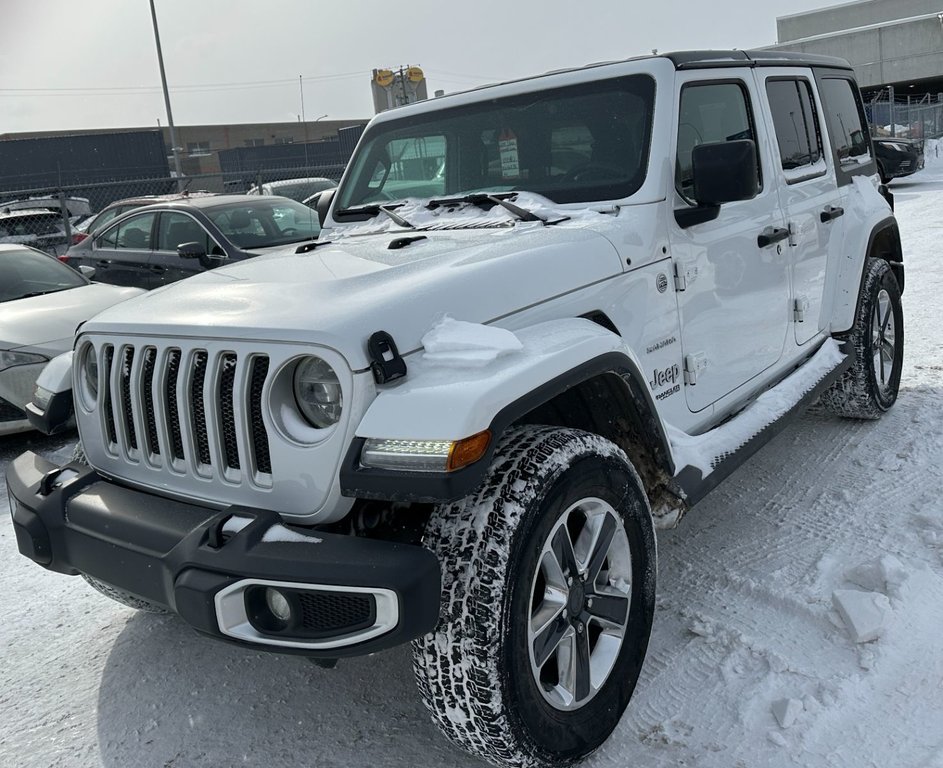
(897, 157)
(160, 244)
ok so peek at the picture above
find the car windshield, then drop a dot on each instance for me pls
(580, 143)
(268, 222)
(25, 272)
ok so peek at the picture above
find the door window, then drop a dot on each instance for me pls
(710, 112)
(795, 122)
(845, 122)
(134, 234)
(175, 229)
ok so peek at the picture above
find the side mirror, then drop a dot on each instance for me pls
(88, 271)
(191, 251)
(724, 172)
(323, 205)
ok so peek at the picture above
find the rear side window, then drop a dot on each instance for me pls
(134, 234)
(795, 122)
(710, 112)
(845, 122)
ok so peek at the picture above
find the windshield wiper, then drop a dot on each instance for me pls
(374, 208)
(494, 198)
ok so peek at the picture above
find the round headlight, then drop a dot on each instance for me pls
(318, 392)
(89, 369)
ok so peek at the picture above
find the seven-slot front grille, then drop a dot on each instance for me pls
(190, 410)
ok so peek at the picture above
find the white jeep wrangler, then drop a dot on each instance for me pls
(545, 317)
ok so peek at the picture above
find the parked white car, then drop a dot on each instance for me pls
(42, 302)
(295, 189)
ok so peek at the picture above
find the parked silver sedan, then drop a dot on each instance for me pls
(42, 302)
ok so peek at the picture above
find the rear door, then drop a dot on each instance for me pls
(808, 191)
(121, 253)
(733, 292)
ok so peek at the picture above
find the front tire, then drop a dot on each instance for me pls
(547, 600)
(870, 386)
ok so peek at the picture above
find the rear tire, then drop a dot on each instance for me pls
(526, 668)
(870, 386)
(118, 595)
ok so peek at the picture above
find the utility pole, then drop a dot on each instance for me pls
(301, 87)
(163, 82)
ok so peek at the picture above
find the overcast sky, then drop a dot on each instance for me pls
(93, 64)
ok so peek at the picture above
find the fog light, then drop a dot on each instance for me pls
(278, 604)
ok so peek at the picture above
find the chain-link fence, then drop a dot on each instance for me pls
(53, 218)
(905, 117)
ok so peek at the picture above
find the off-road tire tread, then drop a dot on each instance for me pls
(854, 395)
(470, 537)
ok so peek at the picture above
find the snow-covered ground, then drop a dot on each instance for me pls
(751, 662)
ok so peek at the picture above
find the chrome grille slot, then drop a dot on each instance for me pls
(198, 407)
(170, 404)
(260, 448)
(147, 394)
(127, 412)
(105, 387)
(227, 426)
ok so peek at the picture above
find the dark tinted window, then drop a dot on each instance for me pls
(795, 121)
(24, 272)
(176, 228)
(133, 234)
(709, 113)
(845, 124)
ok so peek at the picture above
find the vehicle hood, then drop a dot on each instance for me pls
(342, 292)
(51, 320)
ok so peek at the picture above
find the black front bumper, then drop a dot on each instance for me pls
(70, 520)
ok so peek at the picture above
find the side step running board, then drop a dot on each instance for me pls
(707, 459)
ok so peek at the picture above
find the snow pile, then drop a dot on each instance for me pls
(702, 451)
(786, 711)
(459, 344)
(865, 613)
(281, 533)
(933, 152)
(886, 574)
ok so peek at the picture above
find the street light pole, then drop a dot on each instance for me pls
(163, 82)
(301, 88)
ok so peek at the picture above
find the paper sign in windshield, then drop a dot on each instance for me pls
(507, 147)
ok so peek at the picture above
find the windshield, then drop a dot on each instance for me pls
(25, 272)
(581, 143)
(269, 222)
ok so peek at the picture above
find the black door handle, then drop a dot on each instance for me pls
(103, 262)
(831, 213)
(771, 235)
(157, 269)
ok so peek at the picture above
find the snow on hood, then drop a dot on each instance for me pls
(416, 212)
(457, 344)
(39, 320)
(341, 293)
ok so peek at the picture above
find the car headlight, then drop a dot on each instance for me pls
(13, 359)
(88, 371)
(317, 392)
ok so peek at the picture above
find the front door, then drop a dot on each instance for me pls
(732, 287)
(120, 254)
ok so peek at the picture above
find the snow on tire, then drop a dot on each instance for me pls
(118, 595)
(548, 592)
(869, 387)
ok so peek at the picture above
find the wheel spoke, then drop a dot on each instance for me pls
(562, 549)
(600, 548)
(887, 317)
(612, 609)
(547, 641)
(580, 662)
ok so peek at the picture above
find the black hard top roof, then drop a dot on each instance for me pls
(754, 58)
